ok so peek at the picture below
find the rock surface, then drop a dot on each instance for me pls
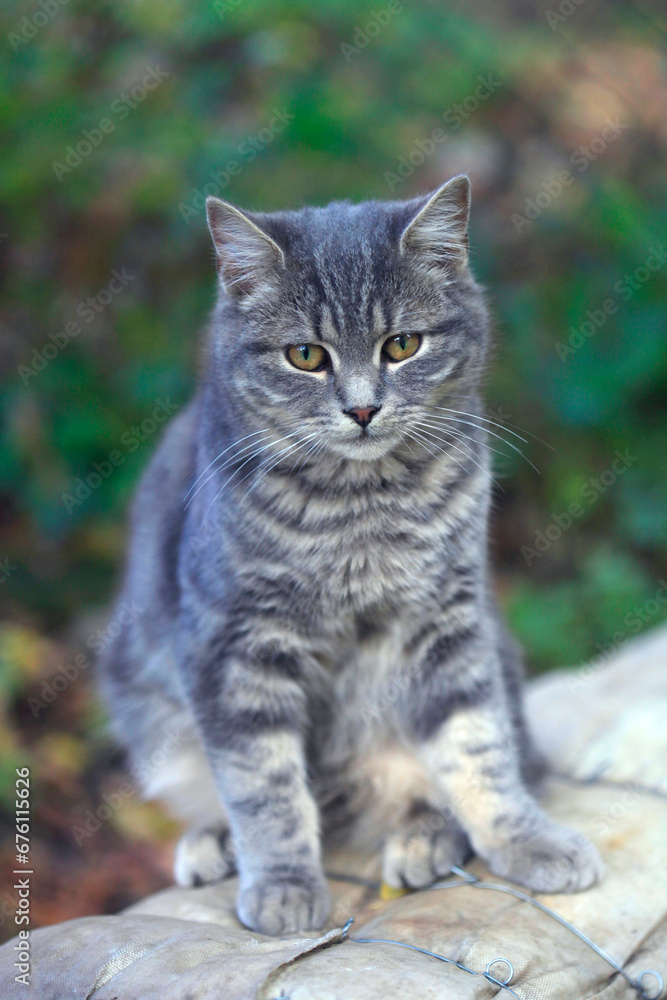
(604, 731)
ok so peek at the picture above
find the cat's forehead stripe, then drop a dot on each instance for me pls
(328, 327)
(380, 323)
(349, 302)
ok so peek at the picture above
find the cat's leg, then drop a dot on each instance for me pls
(169, 763)
(424, 848)
(252, 714)
(461, 720)
(204, 855)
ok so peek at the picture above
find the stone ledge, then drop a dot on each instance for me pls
(604, 732)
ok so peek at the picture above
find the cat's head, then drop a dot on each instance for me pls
(347, 325)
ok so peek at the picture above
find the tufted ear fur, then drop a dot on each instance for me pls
(438, 234)
(247, 256)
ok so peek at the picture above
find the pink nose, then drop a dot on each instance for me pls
(362, 415)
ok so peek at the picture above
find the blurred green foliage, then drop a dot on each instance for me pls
(364, 89)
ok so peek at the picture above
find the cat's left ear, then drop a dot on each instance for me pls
(438, 234)
(247, 255)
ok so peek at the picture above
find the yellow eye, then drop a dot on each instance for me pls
(307, 357)
(401, 347)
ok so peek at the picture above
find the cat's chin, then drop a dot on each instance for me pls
(366, 448)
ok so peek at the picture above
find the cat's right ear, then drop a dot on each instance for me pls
(247, 256)
(438, 234)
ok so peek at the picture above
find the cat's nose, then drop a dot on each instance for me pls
(362, 415)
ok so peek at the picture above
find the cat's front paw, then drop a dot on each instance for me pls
(553, 859)
(285, 904)
(204, 855)
(423, 850)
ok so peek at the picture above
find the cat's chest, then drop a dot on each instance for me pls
(366, 547)
(376, 556)
(365, 570)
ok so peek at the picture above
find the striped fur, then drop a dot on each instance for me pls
(321, 636)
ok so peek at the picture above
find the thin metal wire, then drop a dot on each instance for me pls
(467, 878)
(367, 883)
(500, 983)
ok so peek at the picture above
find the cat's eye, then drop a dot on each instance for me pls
(401, 347)
(307, 357)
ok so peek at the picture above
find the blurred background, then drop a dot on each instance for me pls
(117, 120)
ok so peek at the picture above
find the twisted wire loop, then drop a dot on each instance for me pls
(502, 984)
(510, 972)
(660, 983)
(467, 878)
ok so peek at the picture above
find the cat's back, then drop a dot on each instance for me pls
(134, 668)
(156, 522)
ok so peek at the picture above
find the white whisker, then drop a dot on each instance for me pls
(230, 461)
(438, 425)
(506, 425)
(312, 451)
(223, 452)
(425, 443)
(470, 458)
(488, 431)
(286, 451)
(227, 481)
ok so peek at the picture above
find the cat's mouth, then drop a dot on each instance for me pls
(367, 437)
(367, 445)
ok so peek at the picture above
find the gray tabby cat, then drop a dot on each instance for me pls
(321, 649)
